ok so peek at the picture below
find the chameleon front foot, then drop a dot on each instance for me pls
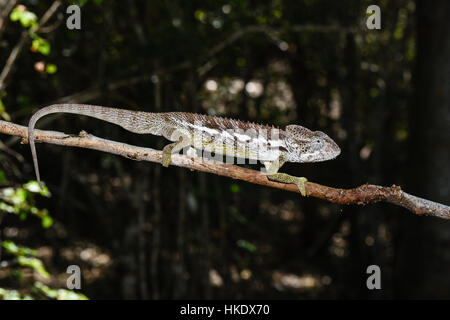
(285, 178)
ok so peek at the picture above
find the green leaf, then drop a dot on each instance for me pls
(10, 246)
(64, 294)
(9, 294)
(41, 45)
(19, 197)
(15, 15)
(47, 222)
(3, 112)
(16, 250)
(51, 68)
(8, 192)
(35, 44)
(234, 188)
(6, 208)
(60, 294)
(28, 19)
(241, 62)
(51, 293)
(44, 49)
(33, 186)
(2, 177)
(34, 263)
(200, 15)
(277, 14)
(246, 245)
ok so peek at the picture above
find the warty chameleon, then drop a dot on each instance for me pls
(229, 137)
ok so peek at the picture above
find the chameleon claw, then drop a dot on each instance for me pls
(300, 183)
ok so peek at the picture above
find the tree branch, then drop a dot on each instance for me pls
(361, 195)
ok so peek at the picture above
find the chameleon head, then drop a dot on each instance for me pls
(304, 145)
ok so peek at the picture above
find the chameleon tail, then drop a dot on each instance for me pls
(134, 121)
(33, 154)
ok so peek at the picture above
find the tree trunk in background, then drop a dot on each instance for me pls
(424, 259)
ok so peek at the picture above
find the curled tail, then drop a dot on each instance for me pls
(134, 121)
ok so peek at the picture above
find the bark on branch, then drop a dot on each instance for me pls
(360, 195)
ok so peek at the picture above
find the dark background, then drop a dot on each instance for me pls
(138, 230)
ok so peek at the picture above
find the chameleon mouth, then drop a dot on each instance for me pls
(334, 150)
(331, 151)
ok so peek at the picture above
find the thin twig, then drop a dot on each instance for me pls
(361, 195)
(273, 33)
(5, 10)
(54, 26)
(12, 58)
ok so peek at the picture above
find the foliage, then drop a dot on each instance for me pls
(19, 201)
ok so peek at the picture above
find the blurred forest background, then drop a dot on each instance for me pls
(138, 230)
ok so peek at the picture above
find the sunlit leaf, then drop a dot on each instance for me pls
(44, 48)
(34, 263)
(6, 207)
(59, 294)
(10, 246)
(47, 221)
(28, 19)
(3, 112)
(200, 15)
(33, 186)
(19, 197)
(15, 15)
(9, 294)
(16, 250)
(51, 68)
(41, 45)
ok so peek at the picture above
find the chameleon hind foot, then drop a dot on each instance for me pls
(183, 141)
(167, 154)
(285, 178)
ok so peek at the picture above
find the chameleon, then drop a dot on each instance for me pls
(270, 145)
